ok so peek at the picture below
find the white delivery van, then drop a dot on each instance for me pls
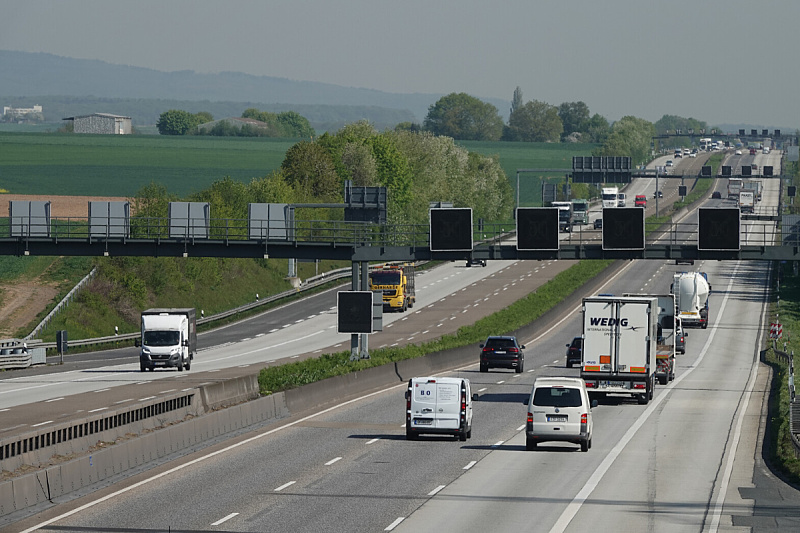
(439, 406)
(559, 410)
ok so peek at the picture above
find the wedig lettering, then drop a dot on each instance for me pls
(597, 321)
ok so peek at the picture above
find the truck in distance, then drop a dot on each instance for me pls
(747, 201)
(169, 338)
(564, 215)
(609, 196)
(396, 282)
(691, 290)
(580, 212)
(619, 345)
(666, 336)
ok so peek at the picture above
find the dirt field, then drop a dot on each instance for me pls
(60, 206)
(20, 302)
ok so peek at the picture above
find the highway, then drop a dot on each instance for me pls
(676, 464)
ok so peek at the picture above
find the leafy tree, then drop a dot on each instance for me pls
(464, 117)
(203, 117)
(272, 189)
(534, 122)
(176, 122)
(630, 136)
(408, 126)
(597, 130)
(516, 100)
(574, 116)
(295, 124)
(393, 169)
(360, 163)
(309, 168)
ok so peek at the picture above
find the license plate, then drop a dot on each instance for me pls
(556, 418)
(422, 421)
(161, 363)
(500, 352)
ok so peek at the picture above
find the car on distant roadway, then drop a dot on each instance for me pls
(670, 162)
(658, 194)
(503, 351)
(598, 223)
(693, 154)
(738, 152)
(574, 350)
(716, 194)
(476, 262)
(640, 201)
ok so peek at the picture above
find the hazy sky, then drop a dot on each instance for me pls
(722, 61)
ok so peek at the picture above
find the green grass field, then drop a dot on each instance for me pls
(120, 165)
(520, 155)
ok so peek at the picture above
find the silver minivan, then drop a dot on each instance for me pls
(559, 410)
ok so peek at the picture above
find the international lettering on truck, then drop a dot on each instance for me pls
(396, 283)
(619, 345)
(666, 336)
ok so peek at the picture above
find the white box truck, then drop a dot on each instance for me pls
(619, 345)
(691, 290)
(747, 201)
(666, 336)
(438, 406)
(169, 339)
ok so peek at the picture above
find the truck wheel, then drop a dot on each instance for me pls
(569, 365)
(462, 436)
(469, 432)
(142, 367)
(662, 380)
(180, 366)
(484, 368)
(410, 435)
(188, 365)
(410, 304)
(643, 399)
(518, 369)
(530, 444)
(585, 446)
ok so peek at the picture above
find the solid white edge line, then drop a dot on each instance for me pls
(737, 435)
(395, 523)
(373, 440)
(577, 502)
(329, 463)
(470, 465)
(203, 458)
(225, 519)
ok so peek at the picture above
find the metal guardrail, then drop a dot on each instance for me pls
(794, 406)
(62, 304)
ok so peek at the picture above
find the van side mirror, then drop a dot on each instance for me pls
(185, 342)
(524, 402)
(567, 345)
(594, 404)
(407, 395)
(522, 346)
(685, 333)
(137, 342)
(475, 396)
(481, 346)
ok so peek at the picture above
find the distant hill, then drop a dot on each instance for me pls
(67, 87)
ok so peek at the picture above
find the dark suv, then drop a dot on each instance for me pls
(574, 350)
(502, 352)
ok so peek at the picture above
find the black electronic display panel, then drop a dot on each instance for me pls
(451, 229)
(623, 228)
(537, 228)
(718, 229)
(354, 311)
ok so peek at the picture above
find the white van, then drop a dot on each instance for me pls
(559, 410)
(621, 200)
(440, 406)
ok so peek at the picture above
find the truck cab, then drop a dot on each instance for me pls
(168, 339)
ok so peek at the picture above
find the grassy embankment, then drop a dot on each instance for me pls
(781, 449)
